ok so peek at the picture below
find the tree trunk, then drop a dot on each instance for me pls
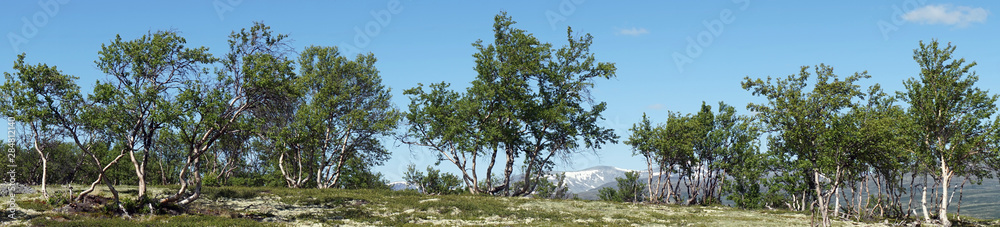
(649, 180)
(489, 172)
(508, 170)
(923, 201)
(163, 173)
(836, 206)
(909, 202)
(197, 187)
(41, 155)
(138, 173)
(958, 212)
(100, 177)
(45, 162)
(823, 208)
(945, 182)
(281, 167)
(337, 172)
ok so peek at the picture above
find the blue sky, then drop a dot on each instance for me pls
(425, 42)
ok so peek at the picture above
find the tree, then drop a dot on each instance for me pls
(53, 103)
(876, 136)
(552, 190)
(36, 94)
(256, 77)
(629, 189)
(347, 105)
(702, 149)
(342, 113)
(528, 102)
(952, 116)
(433, 182)
(147, 73)
(642, 142)
(807, 124)
(740, 159)
(359, 175)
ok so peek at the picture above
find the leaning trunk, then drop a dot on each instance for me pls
(138, 173)
(41, 155)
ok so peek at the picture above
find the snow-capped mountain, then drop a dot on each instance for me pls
(589, 179)
(585, 182)
(401, 185)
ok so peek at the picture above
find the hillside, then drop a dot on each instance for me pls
(321, 207)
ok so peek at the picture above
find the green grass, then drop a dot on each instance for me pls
(179, 220)
(271, 206)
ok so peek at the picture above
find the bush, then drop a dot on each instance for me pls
(210, 180)
(630, 189)
(358, 175)
(549, 190)
(434, 182)
(230, 192)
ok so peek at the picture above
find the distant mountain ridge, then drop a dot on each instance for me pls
(592, 178)
(585, 182)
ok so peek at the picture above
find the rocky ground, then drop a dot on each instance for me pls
(241, 206)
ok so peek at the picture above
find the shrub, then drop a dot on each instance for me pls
(434, 182)
(630, 189)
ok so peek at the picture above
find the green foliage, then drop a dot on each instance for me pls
(231, 192)
(39, 94)
(743, 162)
(434, 182)
(35, 204)
(528, 100)
(210, 180)
(137, 102)
(552, 190)
(702, 151)
(337, 122)
(358, 175)
(630, 189)
(952, 118)
(826, 137)
(44, 100)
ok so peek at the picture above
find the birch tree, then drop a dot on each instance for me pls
(145, 76)
(528, 103)
(256, 75)
(952, 117)
(806, 123)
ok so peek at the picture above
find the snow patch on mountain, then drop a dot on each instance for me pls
(588, 179)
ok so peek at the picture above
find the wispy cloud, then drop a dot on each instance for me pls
(959, 16)
(657, 106)
(633, 31)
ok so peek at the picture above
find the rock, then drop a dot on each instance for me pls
(6, 189)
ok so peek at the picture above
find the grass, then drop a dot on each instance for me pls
(179, 220)
(259, 206)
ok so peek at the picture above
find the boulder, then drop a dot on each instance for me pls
(6, 189)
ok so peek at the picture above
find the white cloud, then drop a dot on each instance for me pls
(657, 106)
(959, 16)
(633, 31)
